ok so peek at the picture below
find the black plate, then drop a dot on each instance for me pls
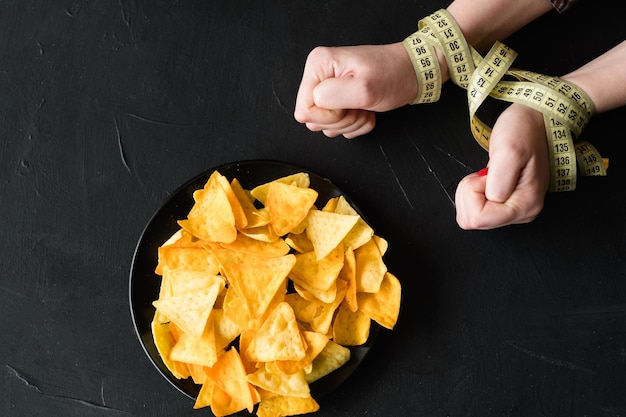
(144, 283)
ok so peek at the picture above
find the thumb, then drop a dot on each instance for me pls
(344, 92)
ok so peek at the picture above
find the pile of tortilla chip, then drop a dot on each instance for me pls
(262, 292)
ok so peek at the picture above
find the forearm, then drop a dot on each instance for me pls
(485, 21)
(604, 79)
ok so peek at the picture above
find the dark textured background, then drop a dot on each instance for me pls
(106, 107)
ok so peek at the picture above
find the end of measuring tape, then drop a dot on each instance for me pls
(566, 108)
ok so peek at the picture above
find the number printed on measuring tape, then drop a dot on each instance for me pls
(426, 65)
(566, 108)
(453, 45)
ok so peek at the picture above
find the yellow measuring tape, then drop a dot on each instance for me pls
(566, 108)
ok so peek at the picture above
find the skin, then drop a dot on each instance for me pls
(343, 88)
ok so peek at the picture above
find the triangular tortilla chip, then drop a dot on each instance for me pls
(300, 242)
(361, 232)
(300, 179)
(211, 218)
(350, 328)
(205, 395)
(246, 244)
(198, 351)
(280, 405)
(320, 274)
(190, 310)
(183, 280)
(195, 258)
(327, 230)
(288, 205)
(383, 306)
(370, 268)
(293, 385)
(163, 341)
(229, 375)
(241, 220)
(278, 338)
(332, 357)
(315, 343)
(317, 314)
(226, 330)
(258, 281)
(246, 203)
(348, 274)
(236, 309)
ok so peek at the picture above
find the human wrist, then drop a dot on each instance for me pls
(603, 79)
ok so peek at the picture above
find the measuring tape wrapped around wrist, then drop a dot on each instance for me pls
(565, 107)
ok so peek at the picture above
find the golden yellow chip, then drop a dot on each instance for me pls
(197, 351)
(190, 310)
(383, 306)
(246, 244)
(361, 232)
(211, 218)
(226, 330)
(327, 230)
(264, 233)
(300, 242)
(198, 374)
(309, 272)
(315, 343)
(245, 202)
(202, 197)
(245, 338)
(236, 309)
(381, 243)
(278, 338)
(348, 274)
(163, 342)
(280, 406)
(182, 257)
(313, 294)
(288, 205)
(331, 205)
(261, 218)
(223, 404)
(176, 237)
(331, 358)
(229, 375)
(205, 395)
(350, 328)
(164, 291)
(317, 314)
(236, 205)
(370, 268)
(258, 281)
(300, 179)
(184, 280)
(292, 385)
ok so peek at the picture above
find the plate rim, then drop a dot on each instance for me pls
(318, 390)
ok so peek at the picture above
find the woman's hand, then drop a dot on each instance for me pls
(343, 87)
(515, 187)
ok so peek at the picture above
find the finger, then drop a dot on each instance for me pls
(475, 211)
(348, 118)
(345, 92)
(351, 121)
(504, 174)
(363, 122)
(306, 111)
(368, 125)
